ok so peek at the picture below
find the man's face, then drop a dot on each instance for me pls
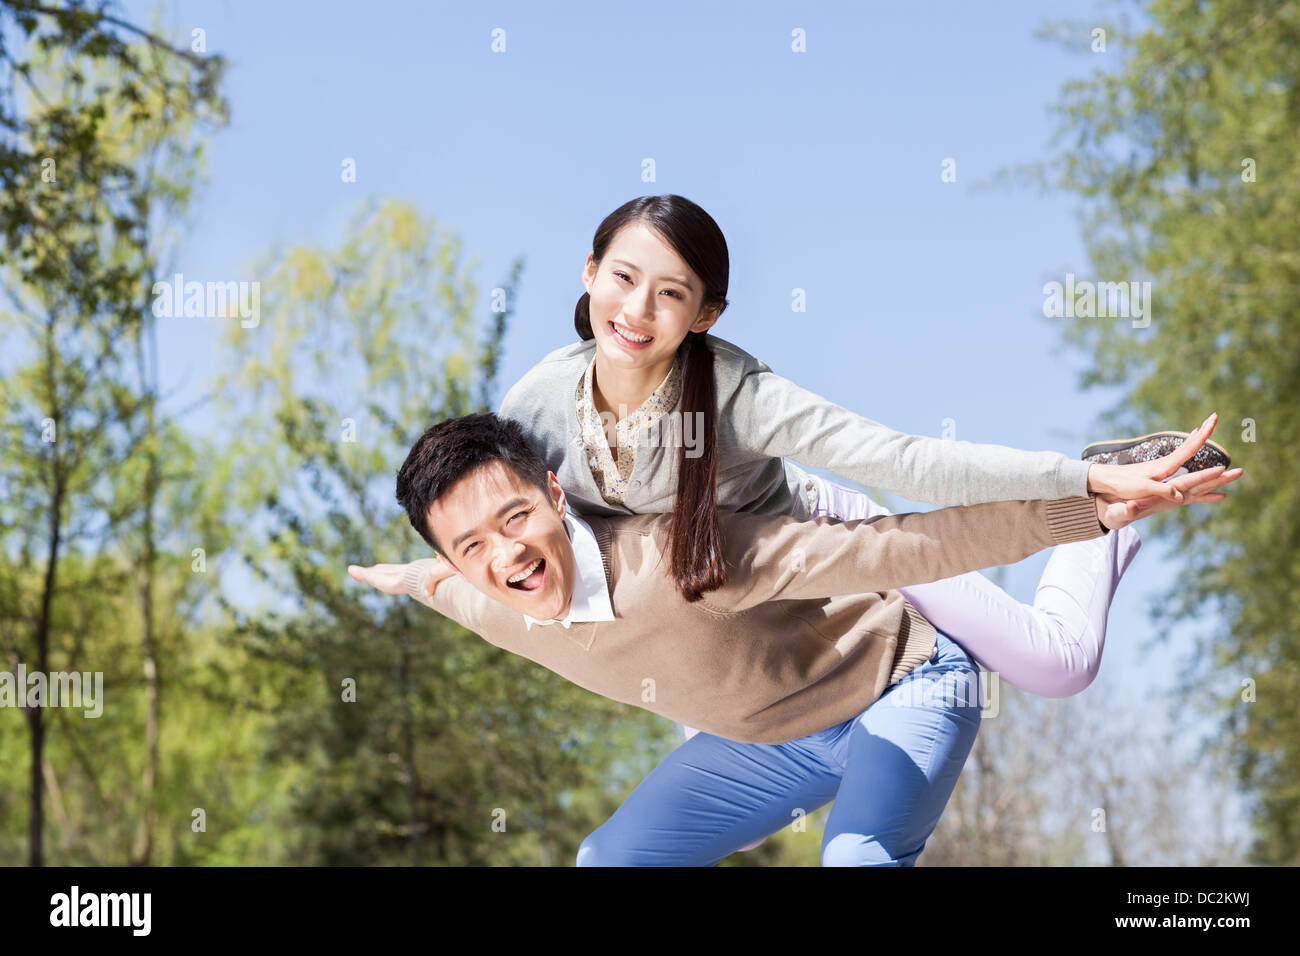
(494, 526)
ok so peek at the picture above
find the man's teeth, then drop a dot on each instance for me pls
(632, 336)
(525, 572)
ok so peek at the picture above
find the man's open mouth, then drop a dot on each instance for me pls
(530, 578)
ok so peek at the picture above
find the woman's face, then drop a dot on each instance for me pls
(644, 300)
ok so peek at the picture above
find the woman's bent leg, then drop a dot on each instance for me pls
(1052, 647)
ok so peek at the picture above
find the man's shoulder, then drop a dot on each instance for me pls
(748, 524)
(740, 523)
(742, 532)
(642, 525)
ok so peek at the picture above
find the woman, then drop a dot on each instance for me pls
(656, 282)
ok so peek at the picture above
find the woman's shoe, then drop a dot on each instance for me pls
(1126, 451)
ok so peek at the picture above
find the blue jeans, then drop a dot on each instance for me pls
(890, 770)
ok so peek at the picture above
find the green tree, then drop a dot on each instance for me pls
(361, 348)
(1182, 143)
(90, 105)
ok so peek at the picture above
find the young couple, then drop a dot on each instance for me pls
(825, 648)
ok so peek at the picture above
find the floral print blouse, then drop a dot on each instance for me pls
(612, 476)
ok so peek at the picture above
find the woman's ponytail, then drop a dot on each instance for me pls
(582, 317)
(695, 538)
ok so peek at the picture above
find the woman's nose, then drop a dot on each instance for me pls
(637, 303)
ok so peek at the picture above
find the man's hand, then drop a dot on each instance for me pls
(441, 571)
(388, 577)
(1140, 481)
(384, 577)
(1195, 487)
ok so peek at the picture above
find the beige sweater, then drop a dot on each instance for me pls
(805, 635)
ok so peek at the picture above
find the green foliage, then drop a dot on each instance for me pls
(1183, 144)
(102, 128)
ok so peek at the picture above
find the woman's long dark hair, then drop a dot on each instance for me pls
(696, 563)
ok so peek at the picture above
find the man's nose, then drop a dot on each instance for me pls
(508, 553)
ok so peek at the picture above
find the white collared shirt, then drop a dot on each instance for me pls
(590, 592)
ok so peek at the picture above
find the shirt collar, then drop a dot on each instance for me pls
(590, 590)
(666, 392)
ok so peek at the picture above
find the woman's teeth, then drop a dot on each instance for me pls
(524, 573)
(632, 336)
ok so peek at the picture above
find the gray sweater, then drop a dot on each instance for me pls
(763, 419)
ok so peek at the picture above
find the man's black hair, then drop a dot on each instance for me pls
(454, 448)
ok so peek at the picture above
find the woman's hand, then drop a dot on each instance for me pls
(1140, 481)
(1195, 487)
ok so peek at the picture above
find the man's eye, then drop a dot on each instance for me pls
(517, 514)
(470, 548)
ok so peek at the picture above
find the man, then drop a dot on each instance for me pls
(810, 679)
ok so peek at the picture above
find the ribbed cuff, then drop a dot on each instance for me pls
(916, 640)
(1073, 519)
(414, 575)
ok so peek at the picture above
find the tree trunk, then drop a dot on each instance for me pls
(408, 734)
(143, 853)
(35, 715)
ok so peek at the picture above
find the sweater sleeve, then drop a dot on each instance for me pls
(454, 597)
(775, 417)
(777, 557)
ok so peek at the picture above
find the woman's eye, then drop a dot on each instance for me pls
(673, 292)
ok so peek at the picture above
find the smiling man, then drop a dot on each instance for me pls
(808, 676)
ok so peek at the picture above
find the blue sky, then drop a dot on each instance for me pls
(822, 168)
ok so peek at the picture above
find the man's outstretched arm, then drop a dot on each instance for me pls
(779, 558)
(453, 597)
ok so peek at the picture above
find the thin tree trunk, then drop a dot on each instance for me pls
(35, 715)
(1112, 838)
(144, 844)
(408, 733)
(544, 837)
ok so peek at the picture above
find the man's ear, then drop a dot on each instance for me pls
(557, 493)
